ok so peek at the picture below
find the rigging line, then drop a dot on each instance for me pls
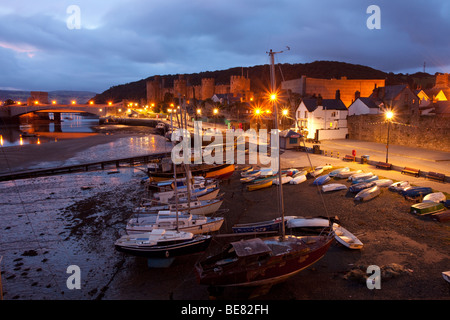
(320, 193)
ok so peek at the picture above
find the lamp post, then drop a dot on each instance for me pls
(215, 111)
(389, 115)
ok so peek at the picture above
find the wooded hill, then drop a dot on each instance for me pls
(260, 78)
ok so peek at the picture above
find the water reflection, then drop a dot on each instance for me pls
(72, 126)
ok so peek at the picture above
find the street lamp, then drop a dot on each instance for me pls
(215, 111)
(389, 115)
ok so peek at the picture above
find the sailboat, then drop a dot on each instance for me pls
(162, 243)
(263, 261)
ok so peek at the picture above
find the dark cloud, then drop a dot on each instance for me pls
(123, 41)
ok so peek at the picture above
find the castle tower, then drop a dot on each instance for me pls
(239, 85)
(442, 80)
(180, 86)
(207, 89)
(154, 90)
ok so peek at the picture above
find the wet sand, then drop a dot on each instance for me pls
(81, 225)
(17, 158)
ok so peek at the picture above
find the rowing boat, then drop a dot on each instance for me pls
(346, 238)
(261, 185)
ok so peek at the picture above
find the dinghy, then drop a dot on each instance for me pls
(435, 197)
(368, 179)
(284, 180)
(337, 171)
(359, 176)
(446, 276)
(368, 194)
(316, 172)
(300, 173)
(253, 173)
(355, 188)
(424, 208)
(307, 222)
(260, 185)
(298, 179)
(382, 183)
(346, 174)
(325, 167)
(399, 186)
(333, 187)
(346, 238)
(416, 192)
(322, 180)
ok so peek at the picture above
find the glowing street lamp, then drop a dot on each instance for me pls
(91, 102)
(73, 102)
(389, 115)
(109, 103)
(215, 111)
(54, 102)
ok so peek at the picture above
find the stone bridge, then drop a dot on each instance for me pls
(100, 110)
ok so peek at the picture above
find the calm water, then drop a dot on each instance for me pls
(41, 131)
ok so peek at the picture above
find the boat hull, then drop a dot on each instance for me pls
(222, 171)
(424, 208)
(210, 226)
(415, 192)
(194, 245)
(258, 186)
(271, 270)
(368, 194)
(208, 207)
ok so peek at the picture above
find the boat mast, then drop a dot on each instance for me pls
(275, 111)
(187, 169)
(175, 176)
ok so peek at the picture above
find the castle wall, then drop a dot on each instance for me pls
(327, 88)
(429, 132)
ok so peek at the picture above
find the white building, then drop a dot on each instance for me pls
(363, 106)
(322, 119)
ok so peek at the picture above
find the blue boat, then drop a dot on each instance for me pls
(372, 178)
(361, 186)
(415, 192)
(321, 180)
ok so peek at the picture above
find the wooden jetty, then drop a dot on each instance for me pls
(90, 166)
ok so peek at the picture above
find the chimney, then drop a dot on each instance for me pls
(338, 94)
(357, 95)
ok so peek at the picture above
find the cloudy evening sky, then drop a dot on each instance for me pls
(124, 41)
